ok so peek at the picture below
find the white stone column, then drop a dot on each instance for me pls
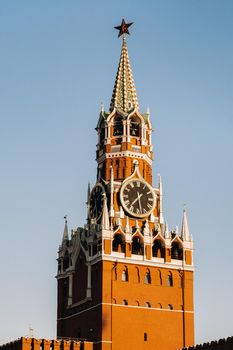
(88, 293)
(128, 131)
(70, 293)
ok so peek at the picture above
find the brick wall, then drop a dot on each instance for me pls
(43, 344)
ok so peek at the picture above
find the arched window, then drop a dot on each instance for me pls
(137, 303)
(137, 246)
(158, 249)
(117, 126)
(158, 278)
(148, 304)
(147, 278)
(169, 280)
(136, 275)
(177, 251)
(159, 306)
(102, 132)
(66, 261)
(125, 302)
(124, 275)
(135, 126)
(118, 243)
(114, 301)
(170, 307)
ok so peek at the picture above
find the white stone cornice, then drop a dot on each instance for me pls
(130, 154)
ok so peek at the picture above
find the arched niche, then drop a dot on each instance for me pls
(117, 128)
(134, 128)
(177, 251)
(118, 243)
(137, 245)
(158, 249)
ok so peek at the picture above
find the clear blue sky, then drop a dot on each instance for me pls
(58, 63)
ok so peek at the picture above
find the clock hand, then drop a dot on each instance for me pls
(140, 206)
(136, 198)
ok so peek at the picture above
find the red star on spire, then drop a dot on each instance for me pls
(123, 28)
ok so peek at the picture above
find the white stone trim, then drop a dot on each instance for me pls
(140, 260)
(126, 153)
(125, 306)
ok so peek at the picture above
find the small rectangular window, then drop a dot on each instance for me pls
(145, 336)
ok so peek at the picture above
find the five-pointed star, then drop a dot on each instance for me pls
(123, 28)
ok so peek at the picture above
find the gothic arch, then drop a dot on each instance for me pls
(135, 126)
(177, 250)
(158, 248)
(66, 261)
(137, 245)
(117, 125)
(147, 278)
(125, 274)
(158, 277)
(136, 275)
(118, 243)
(169, 280)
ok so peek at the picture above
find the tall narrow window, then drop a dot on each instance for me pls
(137, 246)
(158, 279)
(117, 126)
(135, 126)
(169, 280)
(177, 251)
(145, 336)
(124, 275)
(102, 133)
(158, 249)
(118, 243)
(147, 278)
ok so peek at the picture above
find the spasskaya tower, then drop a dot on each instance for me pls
(125, 281)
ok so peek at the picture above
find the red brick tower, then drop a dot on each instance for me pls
(124, 280)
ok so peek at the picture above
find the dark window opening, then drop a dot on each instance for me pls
(147, 279)
(117, 127)
(145, 336)
(124, 275)
(158, 249)
(169, 280)
(102, 133)
(177, 251)
(94, 249)
(135, 127)
(137, 246)
(66, 261)
(118, 244)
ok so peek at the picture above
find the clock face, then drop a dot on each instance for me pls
(96, 202)
(137, 198)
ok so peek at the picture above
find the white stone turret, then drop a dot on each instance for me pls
(105, 217)
(184, 229)
(161, 219)
(166, 231)
(111, 214)
(65, 236)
